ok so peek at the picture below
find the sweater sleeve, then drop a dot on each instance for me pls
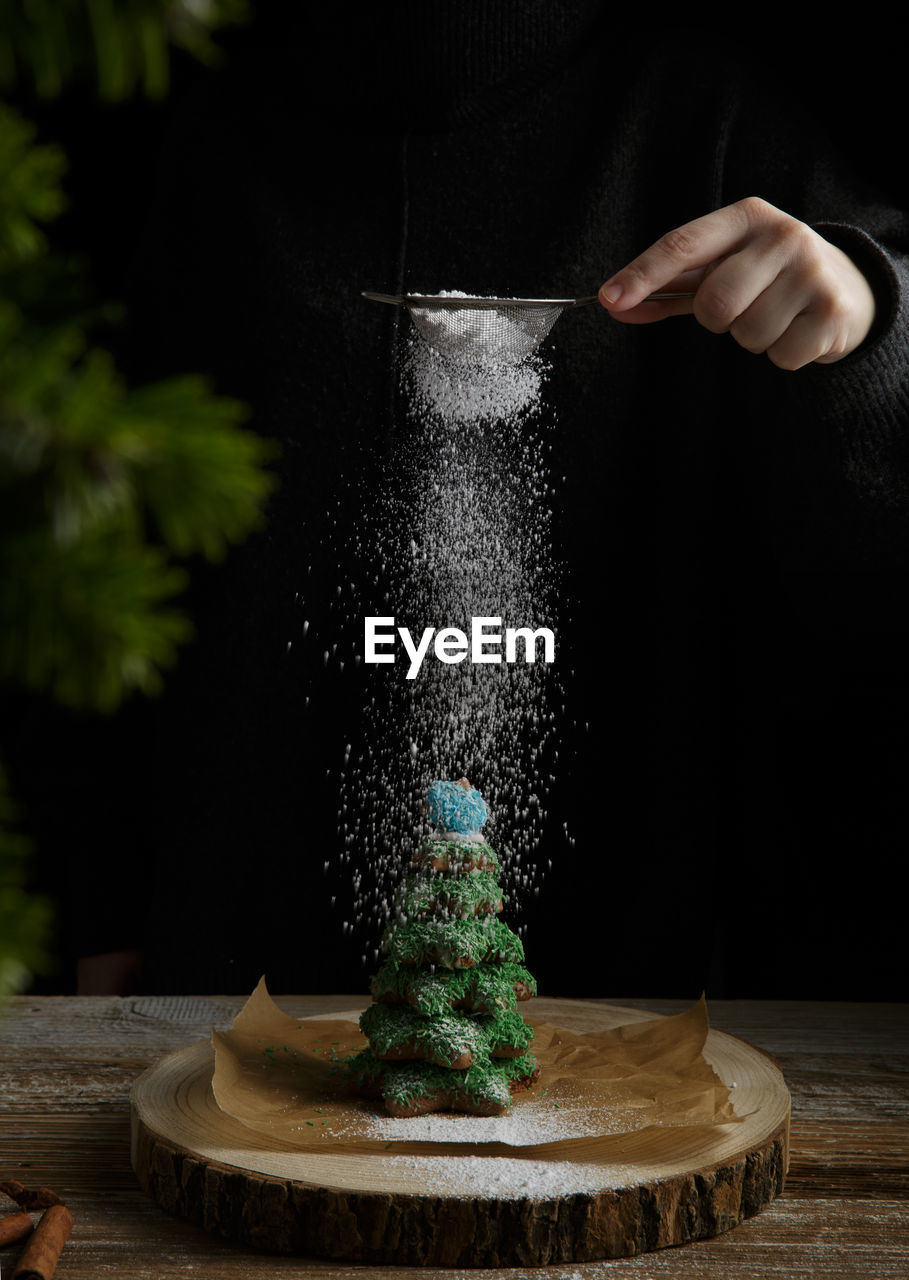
(865, 396)
(774, 150)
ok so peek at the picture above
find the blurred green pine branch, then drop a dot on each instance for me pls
(104, 488)
(24, 918)
(117, 47)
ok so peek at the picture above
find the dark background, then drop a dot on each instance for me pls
(850, 79)
(59, 762)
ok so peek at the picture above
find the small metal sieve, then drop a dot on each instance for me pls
(488, 329)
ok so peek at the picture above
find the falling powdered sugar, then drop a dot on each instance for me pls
(461, 530)
(467, 390)
(468, 365)
(473, 364)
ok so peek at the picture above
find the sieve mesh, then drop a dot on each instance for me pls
(497, 334)
(487, 331)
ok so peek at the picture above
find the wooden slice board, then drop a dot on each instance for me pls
(202, 1165)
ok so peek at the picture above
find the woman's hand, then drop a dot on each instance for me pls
(758, 274)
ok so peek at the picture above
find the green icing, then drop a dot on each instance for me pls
(461, 857)
(406, 1082)
(485, 987)
(443, 1037)
(458, 896)
(446, 948)
(507, 1030)
(454, 944)
(494, 984)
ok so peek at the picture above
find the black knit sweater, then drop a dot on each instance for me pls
(731, 628)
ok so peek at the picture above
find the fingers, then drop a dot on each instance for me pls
(647, 312)
(752, 296)
(816, 310)
(687, 248)
(728, 292)
(821, 334)
(768, 280)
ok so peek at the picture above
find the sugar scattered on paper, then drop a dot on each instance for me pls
(528, 1123)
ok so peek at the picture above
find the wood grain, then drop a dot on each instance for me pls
(687, 1185)
(67, 1065)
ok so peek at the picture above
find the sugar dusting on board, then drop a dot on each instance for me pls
(504, 1178)
(501, 1177)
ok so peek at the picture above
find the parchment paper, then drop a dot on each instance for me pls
(284, 1079)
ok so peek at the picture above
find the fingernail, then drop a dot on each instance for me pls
(610, 292)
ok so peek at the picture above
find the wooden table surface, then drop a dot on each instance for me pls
(67, 1064)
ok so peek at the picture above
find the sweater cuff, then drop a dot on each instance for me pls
(878, 269)
(865, 396)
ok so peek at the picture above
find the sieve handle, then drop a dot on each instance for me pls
(651, 297)
(461, 302)
(395, 299)
(405, 300)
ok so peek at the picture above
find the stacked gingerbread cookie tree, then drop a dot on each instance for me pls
(444, 1030)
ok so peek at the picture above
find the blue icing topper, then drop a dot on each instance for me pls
(456, 806)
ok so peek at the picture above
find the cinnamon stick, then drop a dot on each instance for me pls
(15, 1227)
(40, 1256)
(30, 1198)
